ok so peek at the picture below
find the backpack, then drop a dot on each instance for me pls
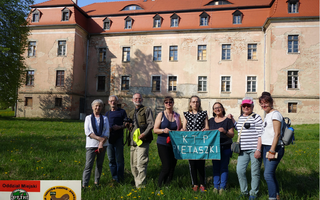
(287, 132)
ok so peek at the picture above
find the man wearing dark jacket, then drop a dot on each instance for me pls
(115, 149)
(139, 153)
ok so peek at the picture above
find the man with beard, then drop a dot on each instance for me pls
(139, 152)
(115, 149)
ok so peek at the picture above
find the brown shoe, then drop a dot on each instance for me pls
(278, 197)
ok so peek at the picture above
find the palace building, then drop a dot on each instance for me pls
(219, 50)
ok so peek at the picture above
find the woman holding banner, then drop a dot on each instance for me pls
(196, 120)
(166, 121)
(225, 127)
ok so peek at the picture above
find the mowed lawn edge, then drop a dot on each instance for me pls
(52, 149)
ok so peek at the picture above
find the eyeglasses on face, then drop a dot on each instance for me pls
(246, 105)
(168, 102)
(216, 108)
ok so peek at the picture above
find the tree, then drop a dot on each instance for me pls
(13, 43)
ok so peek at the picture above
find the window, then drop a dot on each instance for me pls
(58, 102)
(173, 53)
(226, 50)
(62, 48)
(251, 84)
(225, 84)
(204, 18)
(106, 23)
(101, 85)
(293, 46)
(293, 6)
(28, 101)
(126, 54)
(202, 52)
(237, 17)
(218, 2)
(174, 20)
(157, 53)
(132, 7)
(252, 52)
(293, 79)
(155, 83)
(292, 107)
(128, 23)
(35, 16)
(65, 14)
(125, 82)
(202, 83)
(32, 48)
(102, 54)
(60, 78)
(30, 77)
(172, 83)
(157, 21)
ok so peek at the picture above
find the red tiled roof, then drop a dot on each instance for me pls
(54, 3)
(114, 8)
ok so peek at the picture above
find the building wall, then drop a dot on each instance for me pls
(45, 64)
(305, 61)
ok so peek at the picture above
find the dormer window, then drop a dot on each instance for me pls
(204, 19)
(218, 2)
(293, 6)
(65, 14)
(106, 23)
(174, 20)
(35, 15)
(237, 17)
(157, 21)
(128, 23)
(132, 7)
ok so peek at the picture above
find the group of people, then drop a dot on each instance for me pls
(258, 141)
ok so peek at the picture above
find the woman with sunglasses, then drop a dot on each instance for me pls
(166, 121)
(272, 148)
(225, 127)
(249, 126)
(196, 120)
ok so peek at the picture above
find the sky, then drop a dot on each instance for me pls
(81, 3)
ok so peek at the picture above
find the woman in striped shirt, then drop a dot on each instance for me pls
(249, 127)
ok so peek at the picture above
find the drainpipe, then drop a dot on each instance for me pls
(86, 79)
(264, 60)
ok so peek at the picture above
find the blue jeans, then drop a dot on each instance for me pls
(116, 159)
(270, 170)
(244, 158)
(221, 169)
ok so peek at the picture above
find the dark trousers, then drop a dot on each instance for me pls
(196, 166)
(168, 164)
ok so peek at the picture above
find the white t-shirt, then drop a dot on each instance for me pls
(268, 131)
(88, 130)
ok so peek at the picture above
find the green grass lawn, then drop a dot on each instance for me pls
(39, 149)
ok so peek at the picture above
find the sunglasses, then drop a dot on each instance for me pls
(168, 102)
(246, 105)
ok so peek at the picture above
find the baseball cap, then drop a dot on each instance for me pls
(247, 100)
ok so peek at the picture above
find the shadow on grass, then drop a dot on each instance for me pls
(11, 118)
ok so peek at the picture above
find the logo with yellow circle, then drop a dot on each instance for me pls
(59, 193)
